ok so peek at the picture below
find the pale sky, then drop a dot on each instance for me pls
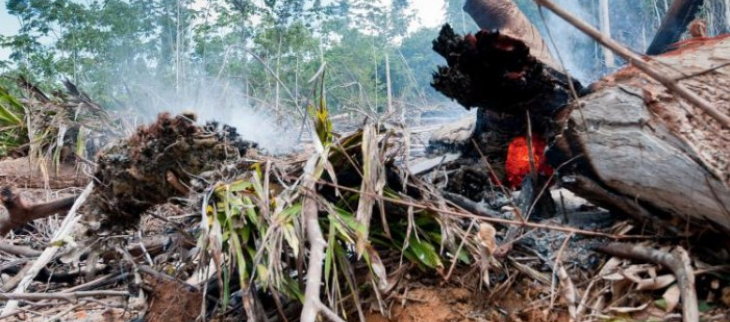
(429, 12)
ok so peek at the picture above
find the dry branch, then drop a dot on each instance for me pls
(63, 296)
(312, 302)
(18, 250)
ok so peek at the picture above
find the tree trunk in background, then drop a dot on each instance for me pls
(644, 151)
(509, 19)
(389, 90)
(717, 16)
(606, 30)
(674, 24)
(727, 15)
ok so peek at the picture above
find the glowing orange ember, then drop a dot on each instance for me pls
(518, 160)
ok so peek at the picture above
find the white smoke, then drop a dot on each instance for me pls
(571, 45)
(221, 102)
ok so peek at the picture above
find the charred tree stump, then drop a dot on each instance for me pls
(629, 145)
(517, 97)
(497, 74)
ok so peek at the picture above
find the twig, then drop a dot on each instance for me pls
(677, 261)
(568, 291)
(470, 206)
(18, 250)
(463, 214)
(58, 316)
(458, 250)
(66, 228)
(568, 288)
(639, 62)
(63, 296)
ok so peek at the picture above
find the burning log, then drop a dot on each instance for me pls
(497, 74)
(630, 144)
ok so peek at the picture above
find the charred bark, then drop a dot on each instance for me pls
(497, 74)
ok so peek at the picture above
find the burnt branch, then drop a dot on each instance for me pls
(20, 213)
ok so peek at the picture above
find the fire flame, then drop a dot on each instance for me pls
(518, 160)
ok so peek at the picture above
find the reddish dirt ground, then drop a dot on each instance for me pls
(454, 304)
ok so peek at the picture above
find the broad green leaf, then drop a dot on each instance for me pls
(240, 185)
(424, 253)
(238, 251)
(328, 254)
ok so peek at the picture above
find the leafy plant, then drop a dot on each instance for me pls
(254, 222)
(11, 122)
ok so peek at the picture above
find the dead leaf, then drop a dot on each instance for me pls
(671, 296)
(658, 283)
(628, 309)
(378, 269)
(487, 237)
(487, 245)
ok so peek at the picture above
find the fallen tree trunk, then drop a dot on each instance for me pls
(23, 172)
(640, 142)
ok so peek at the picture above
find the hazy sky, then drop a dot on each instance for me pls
(430, 13)
(8, 26)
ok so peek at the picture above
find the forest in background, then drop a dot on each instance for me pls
(139, 53)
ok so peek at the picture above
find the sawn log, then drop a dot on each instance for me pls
(640, 142)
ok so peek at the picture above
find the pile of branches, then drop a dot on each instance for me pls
(187, 218)
(249, 219)
(338, 232)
